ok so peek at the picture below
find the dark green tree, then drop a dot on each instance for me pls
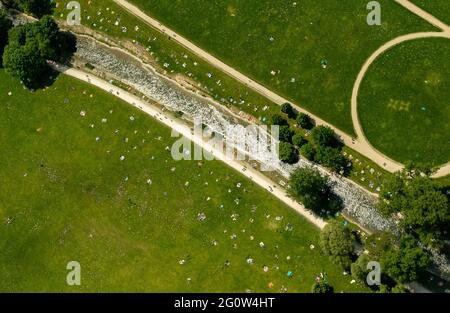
(288, 153)
(289, 110)
(298, 140)
(277, 119)
(424, 206)
(25, 62)
(331, 158)
(308, 151)
(304, 121)
(310, 188)
(337, 243)
(37, 8)
(285, 134)
(406, 262)
(324, 136)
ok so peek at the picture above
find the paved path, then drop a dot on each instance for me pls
(359, 146)
(185, 130)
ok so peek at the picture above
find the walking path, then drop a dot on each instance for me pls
(184, 130)
(360, 144)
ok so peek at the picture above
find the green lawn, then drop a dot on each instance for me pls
(291, 38)
(66, 195)
(404, 102)
(439, 8)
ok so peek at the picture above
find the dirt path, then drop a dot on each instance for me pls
(185, 130)
(356, 144)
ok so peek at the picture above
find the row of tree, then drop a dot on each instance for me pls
(323, 146)
(38, 8)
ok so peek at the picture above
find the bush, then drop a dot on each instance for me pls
(298, 140)
(289, 110)
(324, 136)
(322, 287)
(337, 243)
(277, 119)
(304, 121)
(308, 151)
(331, 158)
(285, 134)
(287, 153)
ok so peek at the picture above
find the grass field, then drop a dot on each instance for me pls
(439, 8)
(282, 43)
(404, 102)
(66, 195)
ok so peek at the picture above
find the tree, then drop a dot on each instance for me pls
(424, 206)
(359, 268)
(324, 136)
(5, 25)
(289, 110)
(337, 243)
(285, 134)
(25, 62)
(308, 151)
(298, 140)
(37, 8)
(310, 188)
(406, 262)
(322, 287)
(277, 119)
(331, 158)
(287, 153)
(29, 48)
(304, 121)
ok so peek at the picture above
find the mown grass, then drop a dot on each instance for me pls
(439, 8)
(66, 196)
(291, 38)
(404, 102)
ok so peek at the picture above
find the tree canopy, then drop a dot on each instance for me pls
(406, 262)
(337, 243)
